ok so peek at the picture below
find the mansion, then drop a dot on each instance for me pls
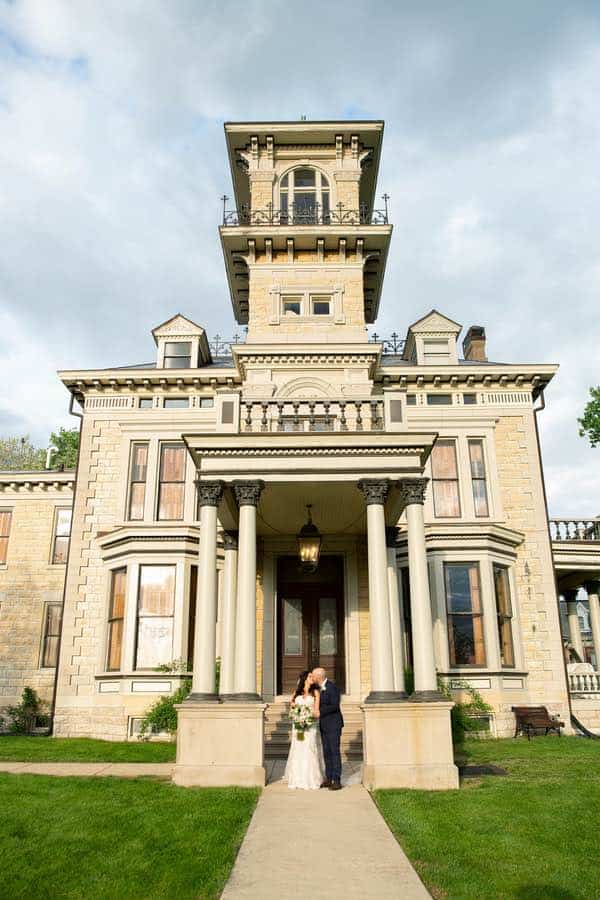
(307, 496)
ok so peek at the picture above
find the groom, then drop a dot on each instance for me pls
(331, 723)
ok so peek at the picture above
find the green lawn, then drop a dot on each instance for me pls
(115, 838)
(532, 835)
(45, 749)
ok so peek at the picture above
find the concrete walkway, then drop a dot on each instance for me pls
(118, 770)
(320, 844)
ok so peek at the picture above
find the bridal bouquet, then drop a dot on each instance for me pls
(302, 718)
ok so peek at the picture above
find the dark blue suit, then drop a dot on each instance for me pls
(331, 724)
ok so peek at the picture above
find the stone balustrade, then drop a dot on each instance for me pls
(585, 683)
(312, 415)
(575, 529)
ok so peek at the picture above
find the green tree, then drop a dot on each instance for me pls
(65, 446)
(590, 421)
(18, 454)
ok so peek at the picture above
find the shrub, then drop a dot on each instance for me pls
(162, 715)
(463, 715)
(24, 715)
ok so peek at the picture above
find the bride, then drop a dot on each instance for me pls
(305, 766)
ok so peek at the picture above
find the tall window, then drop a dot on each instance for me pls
(5, 523)
(444, 471)
(178, 355)
(504, 613)
(51, 636)
(62, 532)
(116, 618)
(138, 472)
(304, 197)
(156, 604)
(465, 617)
(192, 616)
(171, 487)
(478, 478)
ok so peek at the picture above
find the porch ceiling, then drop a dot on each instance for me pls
(337, 508)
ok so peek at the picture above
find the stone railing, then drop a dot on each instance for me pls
(575, 529)
(312, 415)
(585, 683)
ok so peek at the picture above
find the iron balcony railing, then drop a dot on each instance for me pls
(575, 529)
(305, 214)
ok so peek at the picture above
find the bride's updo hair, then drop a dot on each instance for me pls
(300, 685)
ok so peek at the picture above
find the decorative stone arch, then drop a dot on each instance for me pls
(305, 388)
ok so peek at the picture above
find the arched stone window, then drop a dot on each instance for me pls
(304, 197)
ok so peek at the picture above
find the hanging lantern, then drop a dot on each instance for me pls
(309, 544)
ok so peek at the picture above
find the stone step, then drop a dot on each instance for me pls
(278, 730)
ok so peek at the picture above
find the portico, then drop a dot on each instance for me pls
(359, 484)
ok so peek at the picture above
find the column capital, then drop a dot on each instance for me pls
(375, 490)
(247, 493)
(230, 540)
(412, 490)
(592, 587)
(209, 492)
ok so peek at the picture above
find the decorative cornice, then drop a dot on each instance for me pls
(209, 492)
(20, 482)
(375, 490)
(313, 451)
(247, 493)
(412, 490)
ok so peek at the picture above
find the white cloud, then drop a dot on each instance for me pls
(112, 161)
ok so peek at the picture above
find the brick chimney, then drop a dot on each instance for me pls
(474, 344)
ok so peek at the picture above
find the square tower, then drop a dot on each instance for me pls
(305, 248)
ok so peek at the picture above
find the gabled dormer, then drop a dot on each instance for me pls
(431, 341)
(181, 344)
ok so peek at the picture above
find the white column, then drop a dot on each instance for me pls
(413, 496)
(382, 668)
(228, 614)
(394, 601)
(247, 494)
(205, 637)
(573, 619)
(593, 592)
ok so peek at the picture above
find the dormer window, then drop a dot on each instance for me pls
(178, 355)
(304, 197)
(436, 352)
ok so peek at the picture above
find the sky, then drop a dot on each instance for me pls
(112, 163)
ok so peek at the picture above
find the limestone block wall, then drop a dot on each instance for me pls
(28, 582)
(97, 506)
(587, 710)
(521, 487)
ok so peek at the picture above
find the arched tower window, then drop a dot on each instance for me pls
(304, 197)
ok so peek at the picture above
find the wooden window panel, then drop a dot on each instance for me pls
(156, 603)
(116, 618)
(51, 639)
(465, 617)
(138, 474)
(504, 615)
(478, 478)
(444, 472)
(5, 524)
(171, 491)
(62, 532)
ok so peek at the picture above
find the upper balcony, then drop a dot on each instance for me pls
(305, 214)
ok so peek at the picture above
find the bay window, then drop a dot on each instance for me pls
(156, 606)
(465, 615)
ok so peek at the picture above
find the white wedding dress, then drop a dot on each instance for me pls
(305, 767)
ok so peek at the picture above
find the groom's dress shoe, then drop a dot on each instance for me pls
(326, 783)
(335, 786)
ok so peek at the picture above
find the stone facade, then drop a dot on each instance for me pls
(310, 407)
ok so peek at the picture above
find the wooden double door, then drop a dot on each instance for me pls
(311, 621)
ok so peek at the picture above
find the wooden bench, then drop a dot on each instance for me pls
(535, 718)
